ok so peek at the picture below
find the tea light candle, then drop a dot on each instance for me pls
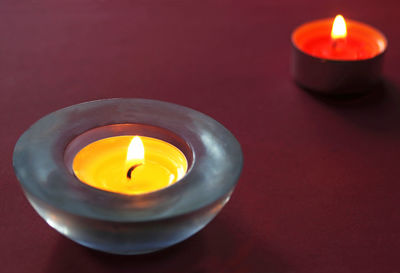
(130, 165)
(337, 56)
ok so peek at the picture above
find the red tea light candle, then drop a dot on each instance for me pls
(337, 56)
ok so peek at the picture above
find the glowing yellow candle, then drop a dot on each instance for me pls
(130, 165)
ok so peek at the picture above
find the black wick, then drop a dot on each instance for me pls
(129, 174)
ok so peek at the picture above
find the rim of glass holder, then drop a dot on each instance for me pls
(41, 163)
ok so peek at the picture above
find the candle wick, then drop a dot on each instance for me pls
(131, 169)
(338, 43)
(334, 43)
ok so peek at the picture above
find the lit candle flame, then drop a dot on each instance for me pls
(135, 150)
(339, 30)
(135, 153)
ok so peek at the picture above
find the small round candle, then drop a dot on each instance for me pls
(353, 41)
(337, 56)
(130, 164)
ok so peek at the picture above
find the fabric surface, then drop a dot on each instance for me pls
(319, 192)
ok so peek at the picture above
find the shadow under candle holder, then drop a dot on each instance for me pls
(378, 109)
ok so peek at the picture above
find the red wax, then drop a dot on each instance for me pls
(362, 41)
(341, 49)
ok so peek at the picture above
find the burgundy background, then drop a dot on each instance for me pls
(320, 187)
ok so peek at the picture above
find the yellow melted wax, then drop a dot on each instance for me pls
(103, 164)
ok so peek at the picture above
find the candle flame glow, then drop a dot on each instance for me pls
(339, 30)
(135, 152)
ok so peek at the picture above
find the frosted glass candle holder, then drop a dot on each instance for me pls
(123, 223)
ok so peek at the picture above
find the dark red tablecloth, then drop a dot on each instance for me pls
(320, 189)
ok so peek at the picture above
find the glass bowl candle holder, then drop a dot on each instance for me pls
(119, 221)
